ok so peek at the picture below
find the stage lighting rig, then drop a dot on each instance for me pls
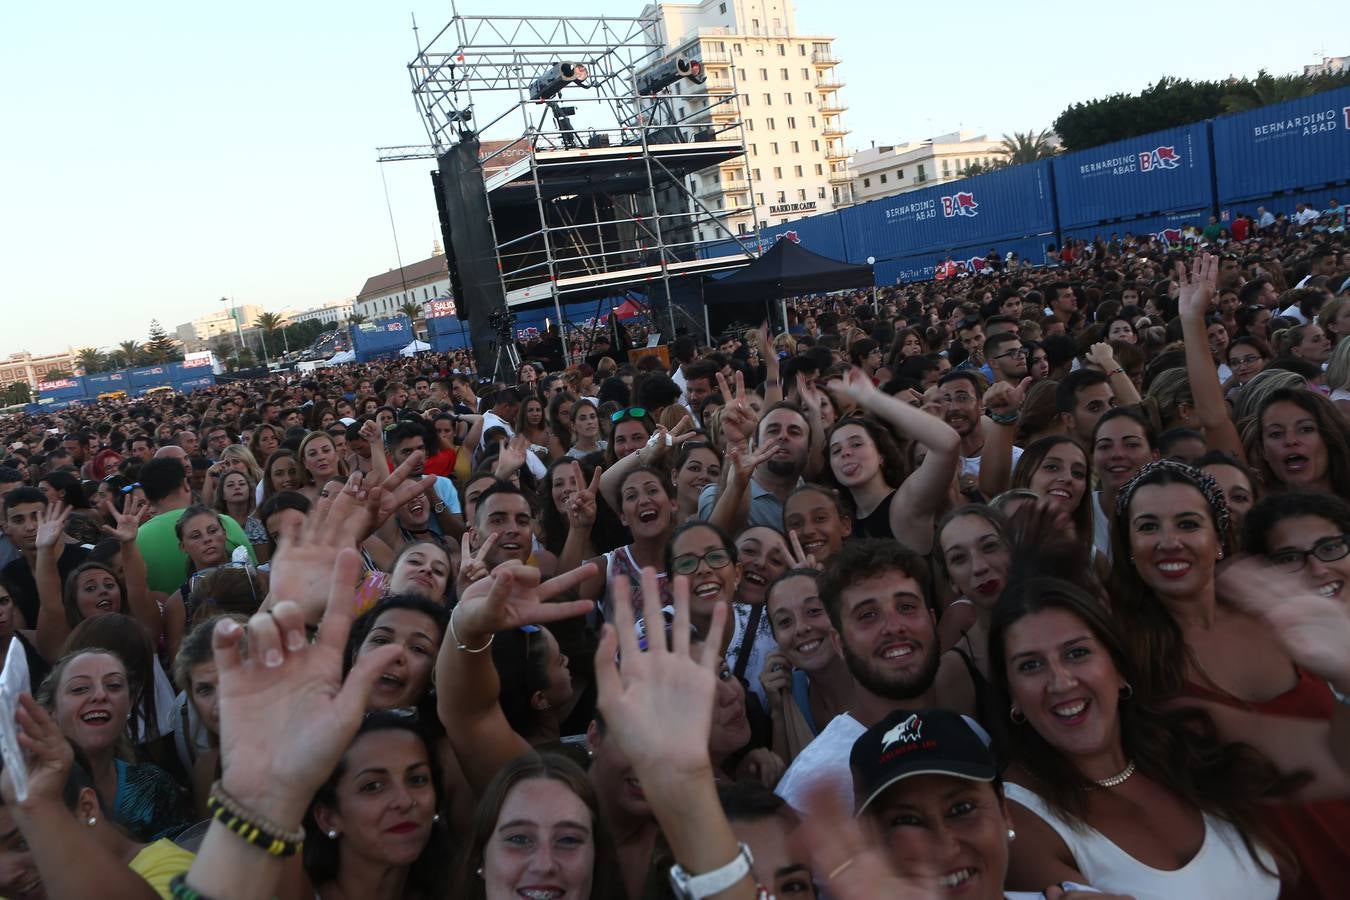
(561, 75)
(669, 72)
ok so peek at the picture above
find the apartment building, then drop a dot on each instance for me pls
(887, 170)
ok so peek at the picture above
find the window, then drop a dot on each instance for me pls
(801, 51)
(782, 196)
(782, 50)
(801, 193)
(740, 227)
(787, 97)
(769, 122)
(749, 124)
(883, 177)
(777, 172)
(759, 198)
(740, 73)
(922, 176)
(747, 99)
(809, 98)
(768, 99)
(782, 73)
(815, 145)
(754, 150)
(792, 121)
(737, 49)
(867, 182)
(719, 204)
(722, 8)
(812, 120)
(716, 178)
(820, 192)
(796, 147)
(774, 147)
(945, 171)
(899, 174)
(797, 170)
(756, 174)
(820, 170)
(806, 73)
(754, 23)
(764, 74)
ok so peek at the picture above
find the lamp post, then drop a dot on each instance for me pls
(872, 261)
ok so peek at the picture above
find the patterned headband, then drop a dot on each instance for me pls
(1196, 478)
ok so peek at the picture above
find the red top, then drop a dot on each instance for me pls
(1238, 228)
(442, 464)
(1318, 833)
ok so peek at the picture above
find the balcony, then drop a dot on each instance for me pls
(834, 130)
(717, 87)
(832, 107)
(728, 186)
(841, 176)
(715, 58)
(825, 58)
(829, 83)
(837, 151)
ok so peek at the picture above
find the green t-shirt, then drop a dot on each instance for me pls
(166, 565)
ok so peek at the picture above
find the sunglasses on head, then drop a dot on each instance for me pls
(633, 412)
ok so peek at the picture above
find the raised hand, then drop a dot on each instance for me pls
(126, 523)
(512, 596)
(512, 456)
(357, 511)
(1197, 288)
(741, 464)
(52, 525)
(854, 387)
(738, 419)
(48, 754)
(776, 678)
(1004, 399)
(799, 558)
(370, 432)
(1313, 629)
(581, 504)
(286, 713)
(473, 564)
(1102, 356)
(659, 706)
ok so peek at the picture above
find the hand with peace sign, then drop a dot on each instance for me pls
(511, 596)
(741, 464)
(473, 565)
(580, 506)
(799, 558)
(738, 419)
(854, 387)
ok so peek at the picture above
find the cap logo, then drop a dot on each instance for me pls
(907, 732)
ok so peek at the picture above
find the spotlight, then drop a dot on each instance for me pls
(669, 72)
(556, 78)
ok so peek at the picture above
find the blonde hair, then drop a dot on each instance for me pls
(1338, 367)
(244, 455)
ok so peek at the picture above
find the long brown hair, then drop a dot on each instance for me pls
(1331, 425)
(1179, 748)
(1030, 462)
(606, 882)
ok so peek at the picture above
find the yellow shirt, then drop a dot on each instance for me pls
(159, 862)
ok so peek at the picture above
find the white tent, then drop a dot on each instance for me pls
(342, 356)
(414, 348)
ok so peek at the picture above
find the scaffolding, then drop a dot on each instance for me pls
(590, 183)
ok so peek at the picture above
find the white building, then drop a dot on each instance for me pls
(887, 170)
(383, 294)
(1329, 65)
(330, 314)
(200, 333)
(789, 102)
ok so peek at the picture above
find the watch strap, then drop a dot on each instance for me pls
(696, 887)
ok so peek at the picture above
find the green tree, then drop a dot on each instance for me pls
(979, 168)
(91, 360)
(159, 347)
(356, 319)
(269, 323)
(1266, 89)
(18, 392)
(1019, 147)
(56, 375)
(130, 351)
(411, 309)
(245, 359)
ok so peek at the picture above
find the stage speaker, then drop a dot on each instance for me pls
(462, 202)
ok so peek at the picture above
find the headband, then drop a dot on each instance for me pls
(1196, 478)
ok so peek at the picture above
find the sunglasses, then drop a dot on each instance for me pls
(633, 412)
(128, 488)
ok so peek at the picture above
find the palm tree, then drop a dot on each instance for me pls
(412, 310)
(1266, 89)
(1021, 148)
(131, 351)
(356, 318)
(269, 323)
(91, 360)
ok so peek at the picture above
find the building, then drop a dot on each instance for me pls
(789, 101)
(418, 282)
(31, 369)
(1329, 65)
(883, 171)
(329, 314)
(201, 333)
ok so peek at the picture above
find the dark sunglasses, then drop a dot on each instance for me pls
(633, 412)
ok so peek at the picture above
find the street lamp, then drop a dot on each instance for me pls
(872, 261)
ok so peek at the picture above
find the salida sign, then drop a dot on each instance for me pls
(58, 384)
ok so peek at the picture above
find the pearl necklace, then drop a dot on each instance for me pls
(1118, 779)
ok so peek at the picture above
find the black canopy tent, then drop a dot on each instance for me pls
(787, 270)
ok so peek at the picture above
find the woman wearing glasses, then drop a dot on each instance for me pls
(1247, 356)
(1305, 533)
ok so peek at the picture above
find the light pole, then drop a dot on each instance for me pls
(872, 261)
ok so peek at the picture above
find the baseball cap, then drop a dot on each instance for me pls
(919, 742)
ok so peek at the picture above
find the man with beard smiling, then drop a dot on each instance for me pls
(958, 395)
(504, 511)
(775, 478)
(873, 591)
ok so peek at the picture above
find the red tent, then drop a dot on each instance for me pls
(627, 310)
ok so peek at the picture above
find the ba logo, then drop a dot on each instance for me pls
(907, 732)
(1161, 158)
(1345, 111)
(1168, 235)
(790, 235)
(960, 204)
(976, 264)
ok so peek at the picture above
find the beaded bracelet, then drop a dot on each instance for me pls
(259, 832)
(179, 889)
(1002, 418)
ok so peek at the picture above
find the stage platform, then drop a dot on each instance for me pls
(586, 287)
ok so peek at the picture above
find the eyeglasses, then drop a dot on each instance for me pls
(1328, 549)
(633, 412)
(1244, 361)
(1019, 353)
(717, 558)
(961, 398)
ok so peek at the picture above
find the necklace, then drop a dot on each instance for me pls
(1117, 779)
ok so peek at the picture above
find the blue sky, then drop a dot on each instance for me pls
(160, 155)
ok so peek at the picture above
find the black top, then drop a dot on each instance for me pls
(877, 523)
(21, 579)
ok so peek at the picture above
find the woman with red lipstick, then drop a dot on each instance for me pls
(373, 829)
(1259, 687)
(1300, 441)
(1108, 789)
(974, 554)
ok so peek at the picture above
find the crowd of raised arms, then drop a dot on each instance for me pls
(1034, 583)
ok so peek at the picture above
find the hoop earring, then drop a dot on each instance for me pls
(1016, 715)
(1127, 691)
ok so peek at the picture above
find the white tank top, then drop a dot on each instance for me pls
(1223, 869)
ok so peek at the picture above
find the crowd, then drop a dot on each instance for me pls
(1028, 583)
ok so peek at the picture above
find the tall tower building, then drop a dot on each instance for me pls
(790, 106)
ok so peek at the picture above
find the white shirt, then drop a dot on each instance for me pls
(1293, 313)
(970, 465)
(825, 759)
(1308, 215)
(492, 420)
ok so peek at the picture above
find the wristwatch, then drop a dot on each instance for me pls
(696, 887)
(439, 508)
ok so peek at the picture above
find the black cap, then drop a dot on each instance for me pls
(919, 742)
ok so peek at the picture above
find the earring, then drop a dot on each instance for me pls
(91, 822)
(332, 834)
(1220, 553)
(590, 754)
(1127, 691)
(1016, 715)
(1012, 835)
(435, 818)
(479, 871)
